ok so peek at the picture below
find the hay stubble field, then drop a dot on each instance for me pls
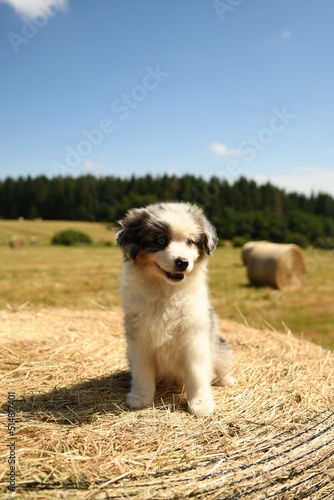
(88, 277)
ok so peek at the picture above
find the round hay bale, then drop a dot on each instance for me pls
(277, 265)
(16, 242)
(272, 435)
(247, 248)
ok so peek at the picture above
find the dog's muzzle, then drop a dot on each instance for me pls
(180, 266)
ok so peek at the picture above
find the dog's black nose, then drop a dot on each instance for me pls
(181, 264)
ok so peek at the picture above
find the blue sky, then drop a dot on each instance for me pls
(121, 87)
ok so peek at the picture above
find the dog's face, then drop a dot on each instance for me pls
(167, 241)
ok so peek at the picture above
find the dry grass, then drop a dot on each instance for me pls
(87, 278)
(60, 276)
(271, 437)
(44, 231)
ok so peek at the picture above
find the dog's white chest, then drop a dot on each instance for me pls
(159, 320)
(156, 317)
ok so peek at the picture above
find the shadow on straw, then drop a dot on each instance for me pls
(79, 404)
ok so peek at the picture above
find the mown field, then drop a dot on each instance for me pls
(88, 278)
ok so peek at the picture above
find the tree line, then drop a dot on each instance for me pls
(242, 209)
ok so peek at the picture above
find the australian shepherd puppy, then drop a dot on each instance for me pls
(171, 329)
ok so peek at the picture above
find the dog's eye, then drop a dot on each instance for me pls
(162, 242)
(190, 242)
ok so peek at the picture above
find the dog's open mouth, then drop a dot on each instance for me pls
(172, 276)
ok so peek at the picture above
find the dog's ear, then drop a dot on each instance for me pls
(129, 236)
(209, 236)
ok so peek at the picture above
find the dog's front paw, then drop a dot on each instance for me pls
(201, 407)
(136, 401)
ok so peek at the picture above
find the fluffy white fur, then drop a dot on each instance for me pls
(172, 332)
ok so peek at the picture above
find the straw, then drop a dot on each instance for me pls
(272, 435)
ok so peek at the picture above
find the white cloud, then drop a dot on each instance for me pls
(33, 8)
(303, 180)
(221, 149)
(285, 35)
(92, 167)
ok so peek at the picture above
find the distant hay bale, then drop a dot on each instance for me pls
(272, 435)
(247, 248)
(277, 265)
(16, 242)
(33, 240)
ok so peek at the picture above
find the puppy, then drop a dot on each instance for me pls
(171, 329)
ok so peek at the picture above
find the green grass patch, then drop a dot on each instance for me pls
(71, 237)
